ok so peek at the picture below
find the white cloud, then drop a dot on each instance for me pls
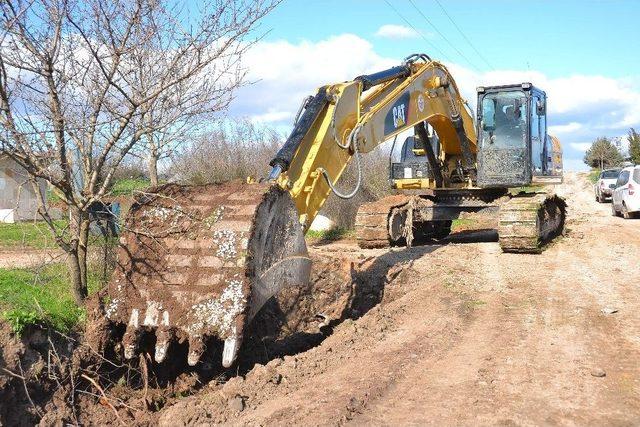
(580, 107)
(272, 116)
(391, 31)
(580, 146)
(285, 73)
(560, 130)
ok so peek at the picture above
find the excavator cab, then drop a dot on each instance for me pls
(514, 149)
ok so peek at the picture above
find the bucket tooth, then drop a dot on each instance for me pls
(130, 341)
(196, 348)
(231, 347)
(163, 338)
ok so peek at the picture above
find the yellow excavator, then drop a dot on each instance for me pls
(196, 263)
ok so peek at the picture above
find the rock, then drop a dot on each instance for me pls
(608, 310)
(236, 404)
(276, 379)
(321, 223)
(598, 372)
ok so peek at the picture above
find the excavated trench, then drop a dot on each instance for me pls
(53, 379)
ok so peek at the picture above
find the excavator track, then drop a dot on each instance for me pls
(199, 262)
(396, 220)
(372, 221)
(530, 220)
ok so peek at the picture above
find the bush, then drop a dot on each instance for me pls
(233, 150)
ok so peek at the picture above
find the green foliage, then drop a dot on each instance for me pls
(126, 187)
(35, 235)
(603, 154)
(20, 319)
(634, 146)
(331, 235)
(594, 175)
(52, 197)
(463, 223)
(41, 297)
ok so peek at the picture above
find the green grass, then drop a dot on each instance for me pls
(332, 235)
(35, 235)
(463, 222)
(126, 187)
(41, 297)
(593, 175)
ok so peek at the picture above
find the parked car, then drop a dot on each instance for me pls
(605, 184)
(626, 196)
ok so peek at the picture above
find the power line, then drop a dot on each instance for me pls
(463, 35)
(443, 36)
(418, 32)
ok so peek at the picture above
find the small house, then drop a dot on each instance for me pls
(18, 199)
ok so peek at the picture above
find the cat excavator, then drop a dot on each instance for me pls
(196, 263)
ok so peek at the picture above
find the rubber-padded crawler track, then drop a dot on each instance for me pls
(372, 221)
(530, 220)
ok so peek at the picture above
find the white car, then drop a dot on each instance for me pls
(605, 184)
(626, 196)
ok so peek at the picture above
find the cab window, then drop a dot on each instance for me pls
(503, 120)
(636, 175)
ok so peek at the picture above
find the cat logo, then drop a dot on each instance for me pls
(398, 116)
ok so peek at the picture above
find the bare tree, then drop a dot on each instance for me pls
(85, 83)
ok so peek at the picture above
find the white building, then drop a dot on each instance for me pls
(18, 200)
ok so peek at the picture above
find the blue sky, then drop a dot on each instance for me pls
(583, 53)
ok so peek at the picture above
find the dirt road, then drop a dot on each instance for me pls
(465, 334)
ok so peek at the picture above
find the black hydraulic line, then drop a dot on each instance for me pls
(370, 80)
(311, 112)
(421, 130)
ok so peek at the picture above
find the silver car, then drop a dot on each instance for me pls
(605, 185)
(626, 196)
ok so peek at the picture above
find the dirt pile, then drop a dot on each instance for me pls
(57, 379)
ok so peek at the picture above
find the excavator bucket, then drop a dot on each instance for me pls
(200, 261)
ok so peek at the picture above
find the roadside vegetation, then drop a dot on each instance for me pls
(42, 296)
(593, 175)
(127, 186)
(34, 235)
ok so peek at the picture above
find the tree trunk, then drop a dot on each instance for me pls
(77, 255)
(153, 167)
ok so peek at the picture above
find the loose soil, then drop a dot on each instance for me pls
(454, 333)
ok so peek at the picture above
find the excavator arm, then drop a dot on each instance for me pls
(344, 120)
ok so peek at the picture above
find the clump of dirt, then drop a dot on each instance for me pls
(32, 369)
